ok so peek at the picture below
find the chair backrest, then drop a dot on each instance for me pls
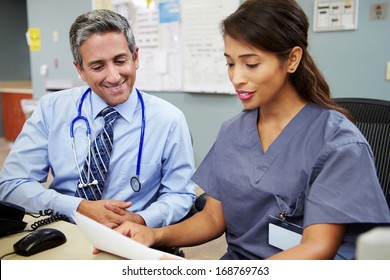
(372, 117)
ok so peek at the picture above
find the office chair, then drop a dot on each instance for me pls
(372, 117)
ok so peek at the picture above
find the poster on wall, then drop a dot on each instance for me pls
(332, 15)
(204, 65)
(180, 43)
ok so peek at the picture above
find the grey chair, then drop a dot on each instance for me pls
(372, 117)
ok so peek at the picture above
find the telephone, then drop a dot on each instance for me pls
(11, 218)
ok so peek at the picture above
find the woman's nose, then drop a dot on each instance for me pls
(237, 77)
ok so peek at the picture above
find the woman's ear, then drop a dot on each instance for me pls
(294, 59)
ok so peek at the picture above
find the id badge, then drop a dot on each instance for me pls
(283, 234)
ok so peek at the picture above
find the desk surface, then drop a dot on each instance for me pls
(77, 247)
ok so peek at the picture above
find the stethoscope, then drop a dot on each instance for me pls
(134, 181)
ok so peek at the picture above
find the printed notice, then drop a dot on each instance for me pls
(335, 15)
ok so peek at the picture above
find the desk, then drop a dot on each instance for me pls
(77, 247)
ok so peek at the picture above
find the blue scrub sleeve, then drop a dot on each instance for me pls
(346, 189)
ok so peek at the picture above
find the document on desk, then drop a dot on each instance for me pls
(111, 241)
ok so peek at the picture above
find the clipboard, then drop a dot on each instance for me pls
(111, 241)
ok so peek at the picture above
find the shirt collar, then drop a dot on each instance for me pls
(126, 109)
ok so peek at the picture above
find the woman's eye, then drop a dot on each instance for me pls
(252, 65)
(230, 65)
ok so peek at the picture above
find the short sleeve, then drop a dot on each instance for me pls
(346, 188)
(205, 175)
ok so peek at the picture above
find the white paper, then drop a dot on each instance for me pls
(111, 241)
(204, 65)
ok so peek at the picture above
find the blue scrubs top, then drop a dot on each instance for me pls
(319, 170)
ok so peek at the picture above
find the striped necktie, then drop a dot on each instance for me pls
(100, 159)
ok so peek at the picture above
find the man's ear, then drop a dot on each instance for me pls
(79, 70)
(294, 59)
(136, 58)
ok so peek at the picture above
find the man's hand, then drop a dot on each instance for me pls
(125, 214)
(111, 213)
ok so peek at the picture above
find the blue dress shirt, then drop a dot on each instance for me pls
(44, 145)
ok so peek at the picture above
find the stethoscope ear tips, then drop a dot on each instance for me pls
(82, 185)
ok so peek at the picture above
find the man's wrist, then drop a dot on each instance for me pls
(81, 208)
(136, 218)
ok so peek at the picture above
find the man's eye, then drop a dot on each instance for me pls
(96, 68)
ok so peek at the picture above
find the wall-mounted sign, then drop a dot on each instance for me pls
(34, 38)
(334, 15)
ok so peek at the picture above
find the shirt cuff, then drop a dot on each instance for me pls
(67, 205)
(156, 217)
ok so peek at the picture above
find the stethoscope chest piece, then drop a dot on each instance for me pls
(135, 184)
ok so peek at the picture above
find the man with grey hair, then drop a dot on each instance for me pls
(147, 177)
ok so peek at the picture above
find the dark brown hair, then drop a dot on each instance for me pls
(278, 26)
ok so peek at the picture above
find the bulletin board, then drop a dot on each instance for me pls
(333, 15)
(180, 43)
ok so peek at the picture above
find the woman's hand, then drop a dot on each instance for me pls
(137, 232)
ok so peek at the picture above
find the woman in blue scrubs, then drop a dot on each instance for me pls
(290, 177)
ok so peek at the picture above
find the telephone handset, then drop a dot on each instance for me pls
(11, 218)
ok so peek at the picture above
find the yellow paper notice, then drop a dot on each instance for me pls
(34, 38)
